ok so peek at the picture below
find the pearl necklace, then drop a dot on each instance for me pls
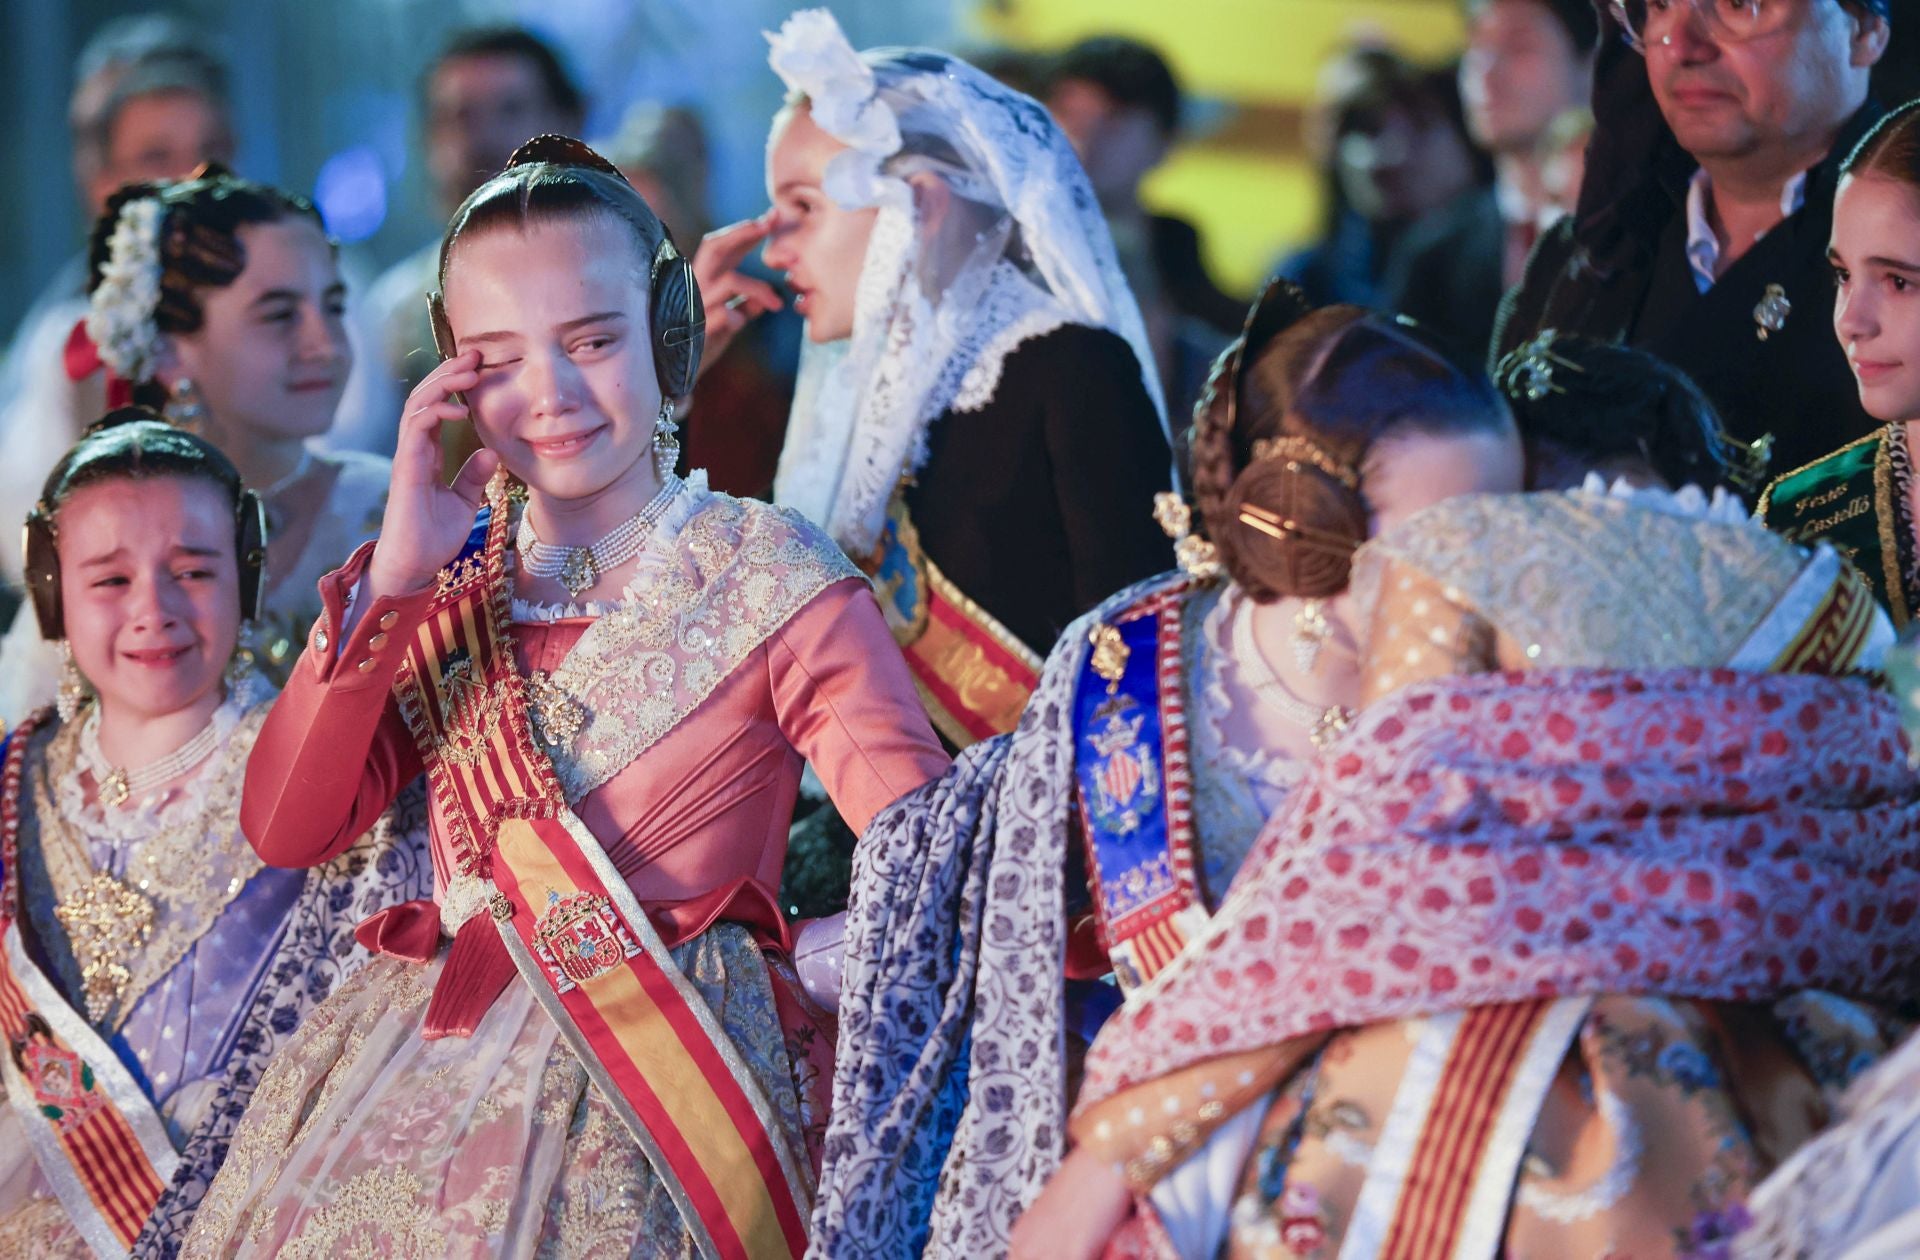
(1323, 723)
(578, 568)
(117, 785)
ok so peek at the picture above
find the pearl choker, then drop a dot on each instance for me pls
(578, 568)
(117, 785)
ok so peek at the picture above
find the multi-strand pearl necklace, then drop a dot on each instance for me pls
(117, 785)
(578, 568)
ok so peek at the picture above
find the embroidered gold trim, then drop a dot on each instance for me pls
(125, 935)
(1889, 510)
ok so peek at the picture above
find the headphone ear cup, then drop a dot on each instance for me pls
(679, 322)
(42, 572)
(250, 548)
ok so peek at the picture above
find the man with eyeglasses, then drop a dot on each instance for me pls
(1701, 234)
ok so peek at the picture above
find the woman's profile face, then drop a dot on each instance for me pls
(271, 356)
(1875, 255)
(149, 590)
(818, 244)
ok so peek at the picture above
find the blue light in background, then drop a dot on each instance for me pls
(351, 192)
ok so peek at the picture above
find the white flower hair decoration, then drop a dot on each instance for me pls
(812, 57)
(120, 313)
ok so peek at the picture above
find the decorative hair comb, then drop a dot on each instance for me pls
(1527, 372)
(1297, 450)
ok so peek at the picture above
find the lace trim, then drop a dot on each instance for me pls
(738, 572)
(190, 868)
(898, 384)
(171, 806)
(1724, 507)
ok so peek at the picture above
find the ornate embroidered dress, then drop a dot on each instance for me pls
(1859, 501)
(1552, 961)
(611, 789)
(147, 953)
(950, 1082)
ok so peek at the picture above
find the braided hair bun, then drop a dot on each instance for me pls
(1291, 414)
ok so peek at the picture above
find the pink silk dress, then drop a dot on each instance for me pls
(366, 1136)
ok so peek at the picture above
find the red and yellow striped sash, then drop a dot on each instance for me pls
(93, 1132)
(578, 936)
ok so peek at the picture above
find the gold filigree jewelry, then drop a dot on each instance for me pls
(1297, 450)
(1110, 653)
(106, 922)
(1194, 554)
(1311, 630)
(557, 716)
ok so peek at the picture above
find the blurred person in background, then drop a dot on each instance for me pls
(149, 103)
(1393, 144)
(1702, 227)
(490, 90)
(1525, 80)
(1119, 104)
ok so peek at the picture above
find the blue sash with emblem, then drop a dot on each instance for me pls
(1131, 760)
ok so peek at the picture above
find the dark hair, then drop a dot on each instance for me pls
(1891, 149)
(200, 245)
(1131, 72)
(1577, 17)
(515, 41)
(1597, 401)
(134, 57)
(550, 178)
(137, 444)
(1332, 382)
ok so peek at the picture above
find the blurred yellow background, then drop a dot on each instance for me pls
(1249, 68)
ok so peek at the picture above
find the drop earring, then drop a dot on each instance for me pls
(73, 691)
(240, 665)
(666, 443)
(185, 407)
(1311, 630)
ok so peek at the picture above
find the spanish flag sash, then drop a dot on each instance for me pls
(575, 931)
(1135, 787)
(972, 673)
(92, 1129)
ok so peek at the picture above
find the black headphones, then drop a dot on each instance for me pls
(42, 568)
(676, 319)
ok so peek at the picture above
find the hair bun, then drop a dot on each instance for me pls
(124, 415)
(1293, 530)
(561, 150)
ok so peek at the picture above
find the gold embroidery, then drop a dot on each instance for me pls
(387, 1205)
(472, 707)
(557, 716)
(125, 934)
(105, 922)
(456, 575)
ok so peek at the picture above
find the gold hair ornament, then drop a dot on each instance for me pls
(1297, 450)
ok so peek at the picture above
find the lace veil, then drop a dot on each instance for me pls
(1021, 250)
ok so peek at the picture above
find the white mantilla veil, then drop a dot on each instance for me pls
(1021, 250)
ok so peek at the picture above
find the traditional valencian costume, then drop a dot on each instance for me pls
(149, 964)
(1859, 500)
(611, 790)
(986, 442)
(1535, 960)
